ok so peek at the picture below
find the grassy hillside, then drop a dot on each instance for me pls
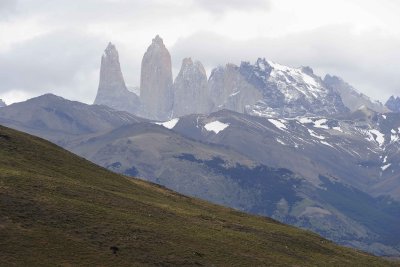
(58, 209)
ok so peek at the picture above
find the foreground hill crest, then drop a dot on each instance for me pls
(61, 209)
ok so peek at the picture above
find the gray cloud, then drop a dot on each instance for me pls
(64, 63)
(7, 7)
(222, 6)
(369, 61)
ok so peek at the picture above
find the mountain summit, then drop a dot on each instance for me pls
(393, 104)
(191, 90)
(112, 90)
(156, 81)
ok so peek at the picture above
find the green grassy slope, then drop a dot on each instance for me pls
(57, 209)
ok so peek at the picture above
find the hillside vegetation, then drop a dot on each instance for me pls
(57, 209)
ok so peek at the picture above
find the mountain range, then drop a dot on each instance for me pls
(264, 88)
(262, 138)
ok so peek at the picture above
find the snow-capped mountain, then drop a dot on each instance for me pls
(290, 92)
(2, 104)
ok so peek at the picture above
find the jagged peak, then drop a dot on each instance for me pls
(110, 51)
(187, 62)
(261, 61)
(158, 40)
(335, 78)
(194, 66)
(307, 70)
(231, 66)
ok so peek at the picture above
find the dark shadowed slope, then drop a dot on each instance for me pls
(58, 209)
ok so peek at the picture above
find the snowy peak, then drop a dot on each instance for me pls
(2, 103)
(296, 83)
(289, 91)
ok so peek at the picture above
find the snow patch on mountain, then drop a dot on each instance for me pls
(305, 120)
(280, 141)
(216, 126)
(385, 167)
(291, 81)
(278, 124)
(321, 124)
(314, 134)
(377, 136)
(169, 124)
(326, 143)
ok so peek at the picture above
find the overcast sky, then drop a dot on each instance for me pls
(56, 45)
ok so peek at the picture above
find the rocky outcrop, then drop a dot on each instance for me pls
(2, 103)
(156, 81)
(351, 98)
(191, 90)
(112, 90)
(229, 89)
(393, 104)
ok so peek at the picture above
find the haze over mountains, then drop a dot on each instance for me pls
(263, 138)
(264, 88)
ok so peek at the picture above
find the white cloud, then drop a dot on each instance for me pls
(55, 45)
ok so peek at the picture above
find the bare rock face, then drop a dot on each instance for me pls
(112, 90)
(2, 104)
(351, 98)
(393, 104)
(156, 82)
(230, 90)
(191, 90)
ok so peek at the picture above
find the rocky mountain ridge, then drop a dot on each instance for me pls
(351, 97)
(264, 88)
